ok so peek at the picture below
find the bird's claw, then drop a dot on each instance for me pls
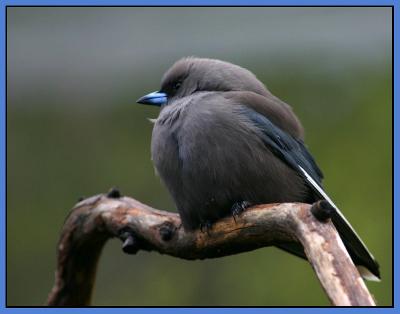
(205, 227)
(238, 208)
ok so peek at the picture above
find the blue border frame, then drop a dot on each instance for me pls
(396, 117)
(201, 2)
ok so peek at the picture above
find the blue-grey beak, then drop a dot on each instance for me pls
(155, 98)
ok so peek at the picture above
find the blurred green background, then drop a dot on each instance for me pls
(74, 130)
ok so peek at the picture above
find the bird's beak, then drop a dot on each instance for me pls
(155, 98)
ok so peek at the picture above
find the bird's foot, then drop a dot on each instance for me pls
(238, 208)
(206, 226)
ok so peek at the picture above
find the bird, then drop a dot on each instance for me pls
(223, 142)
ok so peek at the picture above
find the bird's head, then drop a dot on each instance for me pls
(191, 75)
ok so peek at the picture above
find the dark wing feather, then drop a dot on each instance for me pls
(286, 147)
(295, 154)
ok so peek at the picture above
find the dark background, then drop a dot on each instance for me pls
(73, 129)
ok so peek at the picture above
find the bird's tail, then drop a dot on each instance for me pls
(362, 258)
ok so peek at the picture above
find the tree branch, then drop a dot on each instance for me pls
(95, 220)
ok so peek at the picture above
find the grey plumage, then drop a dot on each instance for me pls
(222, 138)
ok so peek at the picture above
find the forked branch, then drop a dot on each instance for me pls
(95, 220)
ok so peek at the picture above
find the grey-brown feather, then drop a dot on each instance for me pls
(210, 156)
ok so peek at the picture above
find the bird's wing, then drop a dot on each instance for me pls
(295, 154)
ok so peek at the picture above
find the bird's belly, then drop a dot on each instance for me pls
(209, 169)
(216, 187)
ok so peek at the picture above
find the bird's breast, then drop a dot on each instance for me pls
(210, 157)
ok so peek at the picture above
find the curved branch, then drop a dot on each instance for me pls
(95, 220)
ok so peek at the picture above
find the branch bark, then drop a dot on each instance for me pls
(95, 220)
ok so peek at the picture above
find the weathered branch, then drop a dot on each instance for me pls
(93, 221)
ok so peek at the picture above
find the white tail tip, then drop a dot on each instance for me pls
(366, 274)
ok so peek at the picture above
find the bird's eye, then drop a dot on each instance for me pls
(176, 85)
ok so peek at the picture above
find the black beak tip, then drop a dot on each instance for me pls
(141, 101)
